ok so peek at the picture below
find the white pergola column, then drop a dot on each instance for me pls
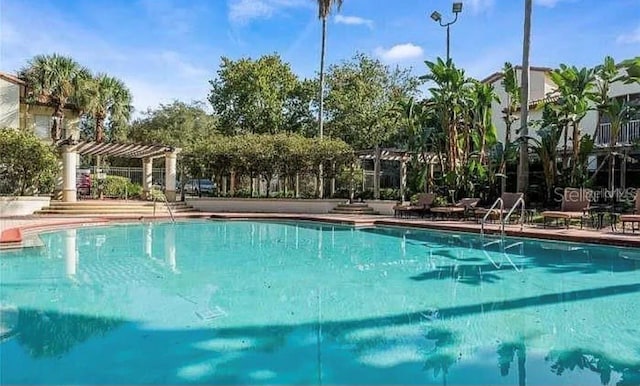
(69, 166)
(170, 161)
(403, 179)
(376, 174)
(147, 177)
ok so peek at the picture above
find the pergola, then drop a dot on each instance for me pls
(71, 149)
(394, 155)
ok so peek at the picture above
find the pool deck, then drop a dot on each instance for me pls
(14, 231)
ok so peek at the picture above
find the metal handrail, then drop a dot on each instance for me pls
(166, 203)
(522, 210)
(484, 219)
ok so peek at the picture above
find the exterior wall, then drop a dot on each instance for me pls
(540, 85)
(22, 206)
(590, 122)
(37, 115)
(384, 207)
(242, 205)
(9, 104)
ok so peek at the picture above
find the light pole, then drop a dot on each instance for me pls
(437, 17)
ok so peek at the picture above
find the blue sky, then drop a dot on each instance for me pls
(169, 49)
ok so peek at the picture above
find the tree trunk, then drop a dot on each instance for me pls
(321, 109)
(576, 153)
(56, 125)
(503, 163)
(523, 170)
(565, 159)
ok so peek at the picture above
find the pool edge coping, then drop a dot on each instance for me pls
(36, 229)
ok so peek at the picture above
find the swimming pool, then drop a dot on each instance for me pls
(299, 302)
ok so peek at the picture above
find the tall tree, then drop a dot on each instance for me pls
(324, 10)
(363, 98)
(251, 96)
(175, 124)
(55, 79)
(523, 165)
(106, 98)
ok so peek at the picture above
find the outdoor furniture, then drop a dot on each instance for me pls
(422, 206)
(575, 205)
(460, 208)
(632, 218)
(508, 200)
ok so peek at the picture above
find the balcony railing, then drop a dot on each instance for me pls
(629, 133)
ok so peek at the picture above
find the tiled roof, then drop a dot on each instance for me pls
(11, 78)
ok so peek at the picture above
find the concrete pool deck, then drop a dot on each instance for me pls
(31, 225)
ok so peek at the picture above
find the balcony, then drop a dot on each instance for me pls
(629, 134)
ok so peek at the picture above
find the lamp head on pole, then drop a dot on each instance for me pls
(436, 16)
(457, 7)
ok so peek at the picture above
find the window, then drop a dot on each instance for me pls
(42, 126)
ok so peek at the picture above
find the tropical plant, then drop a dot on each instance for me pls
(574, 88)
(546, 147)
(106, 98)
(512, 90)
(448, 97)
(57, 80)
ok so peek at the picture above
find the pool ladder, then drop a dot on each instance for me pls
(520, 203)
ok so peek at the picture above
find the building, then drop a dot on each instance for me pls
(543, 88)
(18, 113)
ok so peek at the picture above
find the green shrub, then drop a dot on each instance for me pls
(389, 194)
(27, 165)
(119, 187)
(440, 201)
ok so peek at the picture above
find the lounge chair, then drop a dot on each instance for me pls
(460, 208)
(509, 201)
(422, 206)
(632, 218)
(575, 204)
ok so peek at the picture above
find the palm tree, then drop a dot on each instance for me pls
(57, 80)
(510, 85)
(523, 169)
(324, 10)
(105, 98)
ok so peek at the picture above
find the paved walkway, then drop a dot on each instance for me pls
(33, 224)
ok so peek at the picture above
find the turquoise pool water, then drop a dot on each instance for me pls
(269, 302)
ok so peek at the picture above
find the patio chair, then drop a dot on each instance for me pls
(508, 200)
(632, 218)
(460, 208)
(422, 206)
(575, 204)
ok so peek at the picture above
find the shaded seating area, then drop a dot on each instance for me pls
(421, 207)
(509, 200)
(459, 209)
(575, 205)
(633, 218)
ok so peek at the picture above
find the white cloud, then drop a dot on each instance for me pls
(632, 37)
(400, 52)
(353, 20)
(170, 14)
(244, 11)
